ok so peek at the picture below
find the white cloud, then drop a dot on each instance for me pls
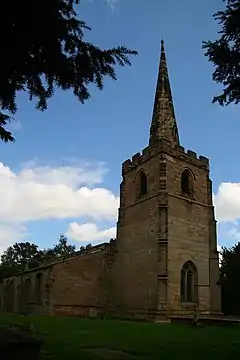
(39, 192)
(89, 232)
(10, 234)
(72, 174)
(227, 202)
(44, 192)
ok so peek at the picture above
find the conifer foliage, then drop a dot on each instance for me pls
(224, 53)
(42, 49)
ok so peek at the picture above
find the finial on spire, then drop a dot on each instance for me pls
(164, 124)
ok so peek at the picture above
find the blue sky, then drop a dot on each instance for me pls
(65, 168)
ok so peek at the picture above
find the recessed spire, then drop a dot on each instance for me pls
(164, 125)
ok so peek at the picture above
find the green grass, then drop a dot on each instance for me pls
(66, 338)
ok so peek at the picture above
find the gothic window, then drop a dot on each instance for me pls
(187, 182)
(189, 283)
(39, 288)
(143, 188)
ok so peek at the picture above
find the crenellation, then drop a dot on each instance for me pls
(181, 148)
(136, 160)
(192, 154)
(204, 159)
(201, 158)
(136, 157)
(126, 163)
(163, 148)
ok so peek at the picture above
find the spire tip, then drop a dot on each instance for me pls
(163, 57)
(163, 124)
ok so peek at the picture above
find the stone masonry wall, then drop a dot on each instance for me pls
(79, 285)
(19, 293)
(135, 268)
(160, 231)
(74, 286)
(188, 231)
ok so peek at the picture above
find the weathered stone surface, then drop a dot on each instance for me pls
(164, 229)
(75, 286)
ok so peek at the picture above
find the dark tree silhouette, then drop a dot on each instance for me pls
(42, 49)
(63, 248)
(25, 256)
(230, 280)
(224, 53)
(19, 257)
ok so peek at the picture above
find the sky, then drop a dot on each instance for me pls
(62, 174)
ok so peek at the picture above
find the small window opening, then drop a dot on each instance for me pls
(187, 183)
(143, 184)
(189, 283)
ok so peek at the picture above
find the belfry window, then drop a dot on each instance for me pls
(143, 183)
(187, 182)
(189, 283)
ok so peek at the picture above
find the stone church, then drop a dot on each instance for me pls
(164, 261)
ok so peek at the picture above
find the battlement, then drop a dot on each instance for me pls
(164, 146)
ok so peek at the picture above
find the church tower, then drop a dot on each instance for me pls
(167, 259)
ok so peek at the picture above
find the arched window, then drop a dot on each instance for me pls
(189, 283)
(187, 182)
(143, 188)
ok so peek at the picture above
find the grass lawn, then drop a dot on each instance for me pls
(76, 338)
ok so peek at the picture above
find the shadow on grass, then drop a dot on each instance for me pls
(76, 338)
